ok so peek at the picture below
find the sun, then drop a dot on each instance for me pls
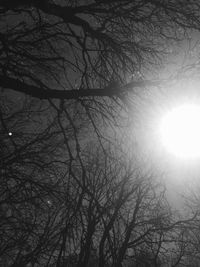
(180, 131)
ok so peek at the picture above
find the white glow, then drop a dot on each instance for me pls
(180, 131)
(10, 134)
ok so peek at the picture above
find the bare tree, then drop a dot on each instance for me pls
(75, 49)
(60, 202)
(30, 182)
(61, 206)
(190, 235)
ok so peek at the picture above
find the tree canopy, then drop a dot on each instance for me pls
(70, 194)
(74, 49)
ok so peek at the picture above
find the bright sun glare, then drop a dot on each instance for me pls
(180, 131)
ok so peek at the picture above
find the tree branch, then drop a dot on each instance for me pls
(41, 93)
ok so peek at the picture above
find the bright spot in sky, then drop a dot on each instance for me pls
(9, 133)
(180, 131)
